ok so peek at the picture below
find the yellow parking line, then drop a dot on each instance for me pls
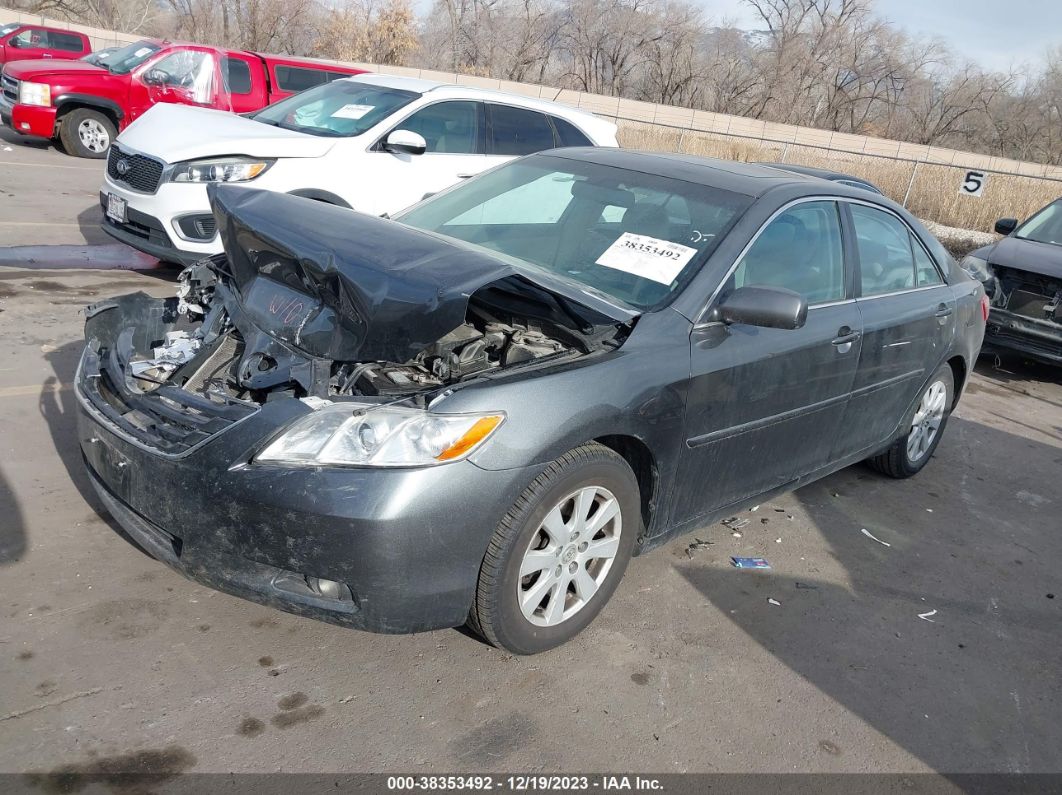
(32, 389)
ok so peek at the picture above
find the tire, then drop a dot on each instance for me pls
(84, 132)
(911, 452)
(591, 476)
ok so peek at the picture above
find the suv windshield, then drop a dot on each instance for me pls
(343, 108)
(631, 236)
(1045, 226)
(125, 59)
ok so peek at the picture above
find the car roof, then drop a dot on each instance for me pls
(471, 92)
(750, 179)
(49, 28)
(812, 171)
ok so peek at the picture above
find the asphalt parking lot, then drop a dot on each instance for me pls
(107, 656)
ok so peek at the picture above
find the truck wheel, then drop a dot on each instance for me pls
(86, 133)
(908, 454)
(559, 552)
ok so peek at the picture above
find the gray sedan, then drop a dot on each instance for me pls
(480, 410)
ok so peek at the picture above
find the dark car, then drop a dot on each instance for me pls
(478, 411)
(824, 173)
(1022, 274)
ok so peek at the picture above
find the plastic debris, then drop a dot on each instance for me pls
(778, 541)
(736, 534)
(754, 508)
(926, 616)
(774, 602)
(873, 537)
(750, 563)
(697, 544)
(734, 522)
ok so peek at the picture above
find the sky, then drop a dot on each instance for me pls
(995, 35)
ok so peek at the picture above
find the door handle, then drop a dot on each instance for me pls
(846, 336)
(943, 311)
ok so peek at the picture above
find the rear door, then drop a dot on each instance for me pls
(764, 404)
(515, 132)
(67, 45)
(908, 317)
(243, 83)
(453, 132)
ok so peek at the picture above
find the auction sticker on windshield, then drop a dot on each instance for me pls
(352, 111)
(648, 257)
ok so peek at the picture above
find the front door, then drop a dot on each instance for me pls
(28, 44)
(908, 316)
(454, 134)
(184, 76)
(765, 404)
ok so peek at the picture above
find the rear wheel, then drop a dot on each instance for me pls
(912, 451)
(84, 132)
(559, 553)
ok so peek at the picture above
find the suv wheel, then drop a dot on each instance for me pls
(86, 133)
(912, 451)
(559, 552)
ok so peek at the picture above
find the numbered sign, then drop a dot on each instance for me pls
(973, 184)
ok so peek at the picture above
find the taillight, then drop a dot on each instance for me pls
(984, 308)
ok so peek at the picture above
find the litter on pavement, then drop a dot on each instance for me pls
(872, 537)
(750, 563)
(926, 616)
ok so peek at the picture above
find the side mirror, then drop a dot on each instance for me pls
(768, 307)
(405, 141)
(156, 77)
(1004, 226)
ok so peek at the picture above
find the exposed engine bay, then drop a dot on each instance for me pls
(1029, 294)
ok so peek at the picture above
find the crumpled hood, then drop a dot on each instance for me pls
(1026, 255)
(184, 132)
(40, 68)
(341, 285)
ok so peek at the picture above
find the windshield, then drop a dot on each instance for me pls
(125, 59)
(8, 28)
(343, 108)
(1045, 226)
(634, 237)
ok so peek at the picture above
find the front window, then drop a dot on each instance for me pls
(125, 59)
(447, 127)
(633, 237)
(189, 70)
(343, 108)
(1044, 227)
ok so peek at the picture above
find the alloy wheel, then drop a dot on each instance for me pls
(93, 135)
(569, 556)
(927, 420)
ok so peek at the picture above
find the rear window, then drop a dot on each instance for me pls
(299, 78)
(237, 75)
(519, 131)
(65, 41)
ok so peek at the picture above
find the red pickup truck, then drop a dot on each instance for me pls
(85, 105)
(19, 42)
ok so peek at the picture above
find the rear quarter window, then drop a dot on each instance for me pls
(568, 134)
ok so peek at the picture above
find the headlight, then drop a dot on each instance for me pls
(380, 436)
(976, 267)
(221, 169)
(34, 94)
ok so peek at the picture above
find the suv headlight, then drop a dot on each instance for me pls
(220, 169)
(35, 93)
(371, 435)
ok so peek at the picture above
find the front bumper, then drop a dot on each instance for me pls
(1037, 339)
(28, 119)
(407, 543)
(153, 221)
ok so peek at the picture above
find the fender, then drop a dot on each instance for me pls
(321, 196)
(90, 101)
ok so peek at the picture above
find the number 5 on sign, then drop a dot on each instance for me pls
(973, 184)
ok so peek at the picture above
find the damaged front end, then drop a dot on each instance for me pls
(321, 305)
(1026, 313)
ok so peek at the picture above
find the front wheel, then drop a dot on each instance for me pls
(912, 451)
(559, 553)
(86, 133)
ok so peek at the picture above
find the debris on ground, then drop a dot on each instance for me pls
(697, 544)
(774, 602)
(764, 520)
(873, 537)
(803, 586)
(926, 616)
(749, 563)
(754, 508)
(734, 522)
(736, 534)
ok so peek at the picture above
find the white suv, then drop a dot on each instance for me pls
(374, 143)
